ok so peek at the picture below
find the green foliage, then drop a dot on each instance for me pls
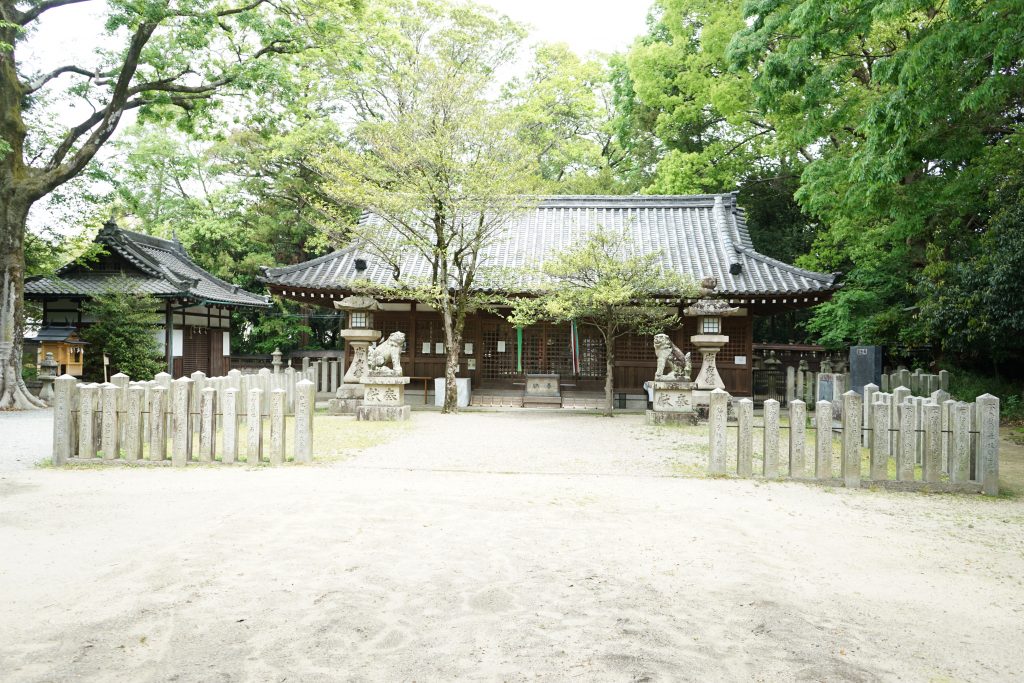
(122, 326)
(965, 385)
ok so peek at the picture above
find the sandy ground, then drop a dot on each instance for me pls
(501, 547)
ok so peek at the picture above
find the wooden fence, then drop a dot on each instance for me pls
(133, 421)
(912, 443)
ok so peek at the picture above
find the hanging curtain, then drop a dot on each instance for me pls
(574, 347)
(519, 349)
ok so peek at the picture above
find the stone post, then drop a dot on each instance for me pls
(64, 437)
(771, 439)
(885, 383)
(289, 385)
(790, 385)
(960, 448)
(133, 422)
(879, 440)
(111, 427)
(181, 414)
(254, 427)
(944, 380)
(229, 426)
(157, 423)
(717, 414)
(988, 443)
(947, 435)
(823, 440)
(931, 421)
(208, 424)
(263, 382)
(797, 438)
(199, 382)
(121, 381)
(305, 399)
(745, 438)
(906, 457)
(800, 383)
(277, 432)
(869, 399)
(335, 375)
(899, 395)
(275, 360)
(86, 421)
(850, 453)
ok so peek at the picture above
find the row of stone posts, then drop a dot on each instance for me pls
(918, 382)
(955, 444)
(326, 374)
(121, 418)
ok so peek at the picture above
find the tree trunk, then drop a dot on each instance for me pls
(13, 215)
(454, 323)
(609, 376)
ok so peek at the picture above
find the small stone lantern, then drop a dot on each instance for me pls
(709, 338)
(47, 375)
(275, 360)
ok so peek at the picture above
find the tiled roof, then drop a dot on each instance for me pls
(696, 235)
(164, 270)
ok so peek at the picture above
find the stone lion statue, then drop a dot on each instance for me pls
(673, 364)
(388, 351)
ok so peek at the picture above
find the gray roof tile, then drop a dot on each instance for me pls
(696, 235)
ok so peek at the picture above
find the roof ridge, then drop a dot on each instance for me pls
(281, 270)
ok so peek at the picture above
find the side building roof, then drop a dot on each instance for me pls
(696, 235)
(156, 266)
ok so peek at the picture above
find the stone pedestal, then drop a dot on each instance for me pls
(347, 399)
(383, 399)
(709, 345)
(672, 403)
(359, 340)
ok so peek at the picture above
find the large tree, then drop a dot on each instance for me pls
(164, 58)
(434, 159)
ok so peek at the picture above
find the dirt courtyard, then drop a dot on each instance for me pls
(500, 547)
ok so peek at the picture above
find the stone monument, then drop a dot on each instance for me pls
(709, 339)
(383, 382)
(359, 334)
(542, 391)
(673, 390)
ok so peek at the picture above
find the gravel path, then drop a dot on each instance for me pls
(500, 547)
(25, 438)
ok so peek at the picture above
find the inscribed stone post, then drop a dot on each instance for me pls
(931, 422)
(823, 440)
(899, 395)
(799, 385)
(944, 380)
(229, 426)
(717, 415)
(790, 384)
(97, 433)
(335, 376)
(960, 448)
(947, 434)
(885, 383)
(235, 379)
(771, 439)
(111, 424)
(797, 438)
(988, 443)
(305, 398)
(745, 440)
(904, 380)
(906, 457)
(121, 381)
(133, 421)
(157, 423)
(879, 440)
(254, 427)
(277, 431)
(289, 385)
(63, 435)
(850, 451)
(869, 399)
(199, 382)
(975, 460)
(263, 383)
(208, 424)
(86, 423)
(181, 414)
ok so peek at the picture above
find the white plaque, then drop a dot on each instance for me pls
(471, 363)
(426, 348)
(468, 349)
(740, 360)
(439, 347)
(501, 347)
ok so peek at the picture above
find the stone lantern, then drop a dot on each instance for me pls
(358, 333)
(709, 339)
(47, 375)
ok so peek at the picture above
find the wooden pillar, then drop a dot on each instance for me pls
(169, 337)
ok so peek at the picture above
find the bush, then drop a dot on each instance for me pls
(124, 322)
(967, 386)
